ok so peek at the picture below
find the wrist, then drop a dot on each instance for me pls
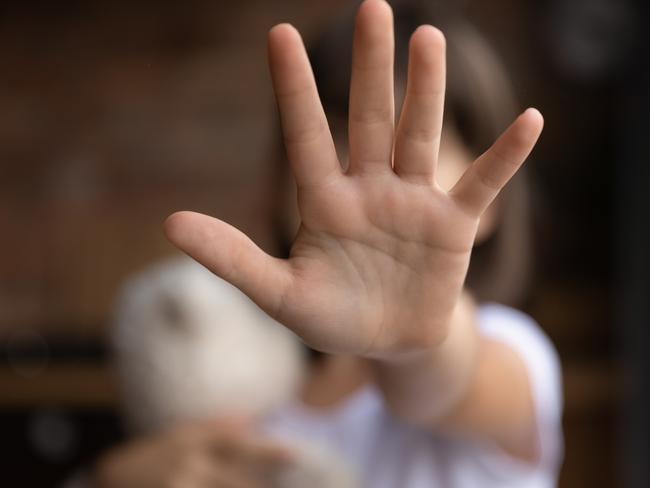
(459, 327)
(424, 385)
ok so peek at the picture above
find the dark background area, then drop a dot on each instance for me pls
(115, 114)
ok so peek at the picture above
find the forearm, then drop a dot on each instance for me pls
(470, 385)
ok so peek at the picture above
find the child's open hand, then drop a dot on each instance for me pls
(381, 255)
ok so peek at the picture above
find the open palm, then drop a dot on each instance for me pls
(382, 251)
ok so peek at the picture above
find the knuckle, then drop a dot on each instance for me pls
(421, 133)
(371, 115)
(487, 179)
(306, 134)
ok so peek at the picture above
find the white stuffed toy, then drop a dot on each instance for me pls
(189, 345)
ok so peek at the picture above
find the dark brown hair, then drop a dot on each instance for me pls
(478, 107)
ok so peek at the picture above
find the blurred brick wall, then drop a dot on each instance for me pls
(113, 116)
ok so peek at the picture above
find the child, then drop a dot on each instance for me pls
(420, 386)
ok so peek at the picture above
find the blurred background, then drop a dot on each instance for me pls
(114, 114)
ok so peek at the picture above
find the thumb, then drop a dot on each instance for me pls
(230, 254)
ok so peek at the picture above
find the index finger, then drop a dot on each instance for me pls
(307, 137)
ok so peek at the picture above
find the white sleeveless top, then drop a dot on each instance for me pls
(386, 453)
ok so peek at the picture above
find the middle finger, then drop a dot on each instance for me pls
(372, 106)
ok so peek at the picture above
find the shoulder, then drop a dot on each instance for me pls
(510, 324)
(526, 338)
(520, 331)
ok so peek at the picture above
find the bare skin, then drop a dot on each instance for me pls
(377, 268)
(213, 453)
